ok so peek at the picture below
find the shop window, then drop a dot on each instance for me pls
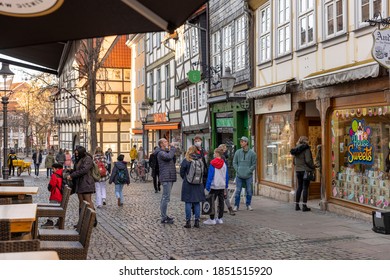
(276, 146)
(360, 149)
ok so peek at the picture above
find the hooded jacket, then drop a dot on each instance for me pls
(217, 177)
(118, 166)
(244, 162)
(303, 159)
(56, 185)
(166, 164)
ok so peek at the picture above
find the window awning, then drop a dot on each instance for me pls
(160, 126)
(269, 90)
(342, 75)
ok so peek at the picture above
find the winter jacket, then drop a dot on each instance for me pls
(303, 160)
(218, 177)
(118, 166)
(56, 185)
(102, 158)
(68, 160)
(244, 163)
(166, 162)
(190, 192)
(133, 153)
(49, 160)
(11, 158)
(153, 165)
(60, 158)
(82, 175)
(36, 156)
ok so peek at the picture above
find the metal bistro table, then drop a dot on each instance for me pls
(19, 195)
(21, 216)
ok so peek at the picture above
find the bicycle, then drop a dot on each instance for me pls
(140, 171)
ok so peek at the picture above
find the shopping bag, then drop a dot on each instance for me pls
(208, 205)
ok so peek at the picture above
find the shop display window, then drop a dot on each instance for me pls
(360, 155)
(277, 160)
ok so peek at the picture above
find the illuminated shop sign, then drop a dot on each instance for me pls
(360, 150)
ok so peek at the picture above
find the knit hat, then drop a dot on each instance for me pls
(243, 138)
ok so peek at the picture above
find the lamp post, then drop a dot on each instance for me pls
(227, 81)
(8, 76)
(143, 113)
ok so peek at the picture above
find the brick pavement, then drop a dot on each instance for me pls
(272, 231)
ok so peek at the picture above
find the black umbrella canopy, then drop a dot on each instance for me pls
(37, 30)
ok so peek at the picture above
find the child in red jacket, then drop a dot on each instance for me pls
(55, 186)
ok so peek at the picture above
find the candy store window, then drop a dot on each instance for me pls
(277, 160)
(360, 146)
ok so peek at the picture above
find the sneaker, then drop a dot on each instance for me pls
(249, 208)
(167, 221)
(235, 209)
(170, 218)
(104, 202)
(210, 222)
(219, 221)
(49, 223)
(57, 224)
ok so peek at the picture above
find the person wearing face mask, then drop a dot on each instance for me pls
(202, 154)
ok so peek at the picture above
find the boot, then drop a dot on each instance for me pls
(231, 212)
(297, 208)
(196, 224)
(95, 223)
(305, 208)
(188, 224)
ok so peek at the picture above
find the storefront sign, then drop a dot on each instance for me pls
(159, 117)
(29, 8)
(381, 48)
(279, 103)
(360, 150)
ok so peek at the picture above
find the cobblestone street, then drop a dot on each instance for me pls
(272, 231)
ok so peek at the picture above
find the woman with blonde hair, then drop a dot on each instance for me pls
(100, 159)
(303, 161)
(191, 194)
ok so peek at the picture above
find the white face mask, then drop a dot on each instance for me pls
(198, 144)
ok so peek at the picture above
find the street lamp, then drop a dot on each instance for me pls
(143, 114)
(228, 81)
(8, 76)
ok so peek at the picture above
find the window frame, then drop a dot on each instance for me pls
(265, 31)
(326, 18)
(227, 45)
(284, 26)
(240, 25)
(167, 81)
(216, 49)
(305, 14)
(359, 22)
(184, 100)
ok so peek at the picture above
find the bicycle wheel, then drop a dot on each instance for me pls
(134, 175)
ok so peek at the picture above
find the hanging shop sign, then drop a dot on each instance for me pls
(381, 47)
(29, 8)
(360, 150)
(194, 76)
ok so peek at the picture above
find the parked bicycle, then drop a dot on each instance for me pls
(140, 171)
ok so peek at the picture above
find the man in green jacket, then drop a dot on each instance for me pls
(244, 163)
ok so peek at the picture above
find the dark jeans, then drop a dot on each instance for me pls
(109, 168)
(49, 171)
(221, 202)
(156, 183)
(36, 172)
(303, 185)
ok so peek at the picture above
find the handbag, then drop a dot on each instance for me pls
(208, 205)
(309, 176)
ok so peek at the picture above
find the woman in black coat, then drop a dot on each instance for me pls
(191, 194)
(153, 164)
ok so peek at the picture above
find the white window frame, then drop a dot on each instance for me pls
(184, 98)
(265, 33)
(167, 81)
(192, 98)
(333, 20)
(202, 103)
(240, 34)
(158, 85)
(360, 21)
(306, 9)
(216, 49)
(227, 45)
(194, 41)
(283, 29)
(187, 45)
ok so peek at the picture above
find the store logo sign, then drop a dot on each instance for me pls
(360, 150)
(381, 47)
(29, 8)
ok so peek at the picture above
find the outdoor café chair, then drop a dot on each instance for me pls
(74, 250)
(53, 210)
(65, 234)
(5, 232)
(11, 246)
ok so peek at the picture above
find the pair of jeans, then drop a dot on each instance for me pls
(49, 171)
(165, 198)
(100, 192)
(188, 209)
(303, 186)
(36, 166)
(249, 191)
(119, 191)
(218, 194)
